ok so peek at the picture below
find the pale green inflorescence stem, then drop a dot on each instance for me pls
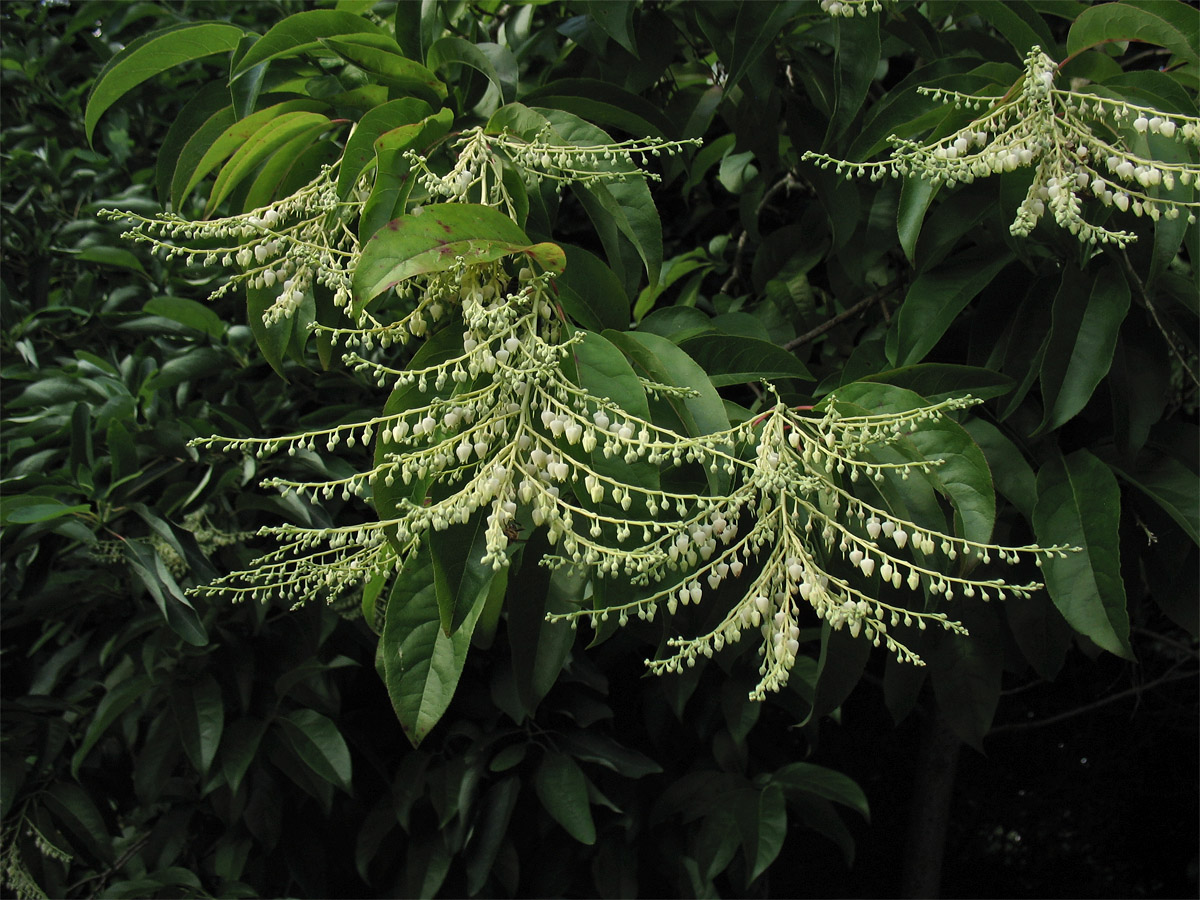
(502, 426)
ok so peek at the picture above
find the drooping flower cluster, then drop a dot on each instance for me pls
(478, 172)
(284, 247)
(1082, 147)
(492, 420)
(850, 8)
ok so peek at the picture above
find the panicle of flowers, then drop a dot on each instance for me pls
(285, 247)
(478, 172)
(849, 8)
(805, 541)
(1082, 146)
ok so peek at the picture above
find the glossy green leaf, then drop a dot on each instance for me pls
(563, 790)
(590, 293)
(152, 54)
(762, 820)
(657, 358)
(1170, 484)
(1040, 631)
(271, 137)
(937, 297)
(239, 747)
(602, 103)
(1018, 22)
(756, 28)
(1085, 322)
(1079, 504)
(432, 241)
(965, 671)
(813, 779)
(915, 196)
(856, 57)
(1167, 23)
(421, 664)
(461, 580)
(1011, 472)
(302, 33)
(272, 339)
(186, 312)
(191, 171)
(27, 509)
(110, 708)
(393, 180)
(360, 146)
(940, 381)
(381, 57)
(178, 611)
(496, 809)
(200, 715)
(734, 359)
(456, 50)
(317, 741)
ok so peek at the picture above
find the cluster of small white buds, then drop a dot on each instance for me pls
(850, 8)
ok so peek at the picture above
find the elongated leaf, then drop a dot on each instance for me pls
(421, 664)
(1011, 472)
(271, 137)
(175, 607)
(302, 33)
(936, 298)
(1170, 484)
(461, 580)
(756, 28)
(317, 741)
(189, 174)
(940, 381)
(657, 358)
(762, 821)
(210, 100)
(434, 239)
(108, 710)
(496, 809)
(734, 359)
(186, 312)
(456, 50)
(602, 103)
(1085, 322)
(380, 56)
(393, 180)
(813, 779)
(360, 147)
(563, 790)
(27, 509)
(154, 53)
(238, 749)
(856, 56)
(915, 196)
(965, 672)
(1169, 24)
(200, 715)
(590, 293)
(1079, 504)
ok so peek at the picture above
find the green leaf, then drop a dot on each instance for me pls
(27, 509)
(455, 50)
(392, 170)
(734, 359)
(151, 54)
(1011, 472)
(272, 136)
(1170, 484)
(191, 171)
(272, 339)
(1040, 631)
(495, 814)
(963, 475)
(755, 29)
(317, 741)
(762, 820)
(965, 671)
(1085, 322)
(421, 664)
(941, 381)
(856, 57)
(563, 790)
(360, 146)
(915, 196)
(615, 17)
(590, 293)
(602, 103)
(810, 778)
(302, 33)
(188, 313)
(936, 298)
(657, 358)
(461, 580)
(840, 666)
(239, 748)
(200, 715)
(381, 57)
(178, 611)
(111, 256)
(540, 648)
(111, 706)
(1169, 24)
(1079, 504)
(433, 239)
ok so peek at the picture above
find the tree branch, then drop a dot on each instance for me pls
(1149, 304)
(840, 318)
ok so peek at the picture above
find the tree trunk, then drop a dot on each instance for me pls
(933, 789)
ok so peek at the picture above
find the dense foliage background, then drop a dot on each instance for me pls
(157, 746)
